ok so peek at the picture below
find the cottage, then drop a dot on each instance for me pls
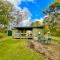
(27, 32)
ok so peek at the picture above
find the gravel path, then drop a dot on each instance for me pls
(51, 52)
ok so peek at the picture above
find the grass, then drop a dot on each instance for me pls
(56, 39)
(12, 49)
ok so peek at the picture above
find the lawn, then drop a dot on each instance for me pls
(56, 39)
(14, 49)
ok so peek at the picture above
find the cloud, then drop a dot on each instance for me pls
(25, 23)
(27, 20)
(17, 2)
(46, 16)
(27, 13)
(41, 20)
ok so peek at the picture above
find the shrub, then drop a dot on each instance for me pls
(1, 35)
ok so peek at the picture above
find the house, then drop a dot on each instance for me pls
(35, 33)
(27, 32)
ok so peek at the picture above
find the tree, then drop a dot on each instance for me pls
(5, 8)
(58, 1)
(54, 18)
(36, 24)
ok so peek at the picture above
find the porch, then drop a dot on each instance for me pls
(26, 32)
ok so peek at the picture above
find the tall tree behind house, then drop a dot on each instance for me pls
(5, 8)
(54, 18)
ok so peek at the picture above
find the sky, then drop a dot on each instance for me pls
(35, 7)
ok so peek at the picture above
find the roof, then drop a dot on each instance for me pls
(41, 27)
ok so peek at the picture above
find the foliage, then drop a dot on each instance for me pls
(5, 8)
(56, 39)
(58, 1)
(1, 35)
(36, 24)
(53, 20)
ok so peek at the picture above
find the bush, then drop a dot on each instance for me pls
(1, 35)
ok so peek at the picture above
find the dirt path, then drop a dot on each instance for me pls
(51, 52)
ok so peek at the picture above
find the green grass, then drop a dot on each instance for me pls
(56, 39)
(11, 49)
